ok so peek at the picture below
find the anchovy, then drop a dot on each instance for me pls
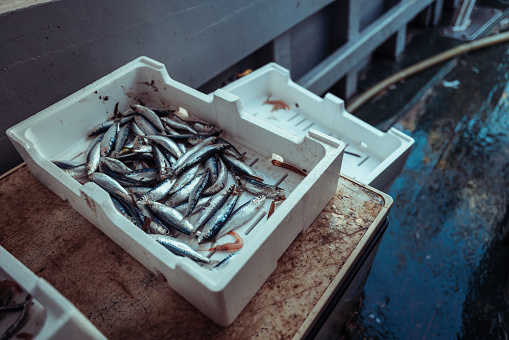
(147, 127)
(176, 125)
(225, 261)
(150, 115)
(155, 226)
(202, 202)
(182, 194)
(195, 194)
(159, 191)
(78, 171)
(202, 127)
(171, 217)
(136, 129)
(242, 215)
(139, 191)
(122, 135)
(132, 212)
(232, 150)
(115, 165)
(166, 143)
(162, 164)
(184, 178)
(64, 165)
(259, 188)
(93, 158)
(199, 156)
(140, 156)
(221, 180)
(213, 204)
(216, 222)
(212, 166)
(179, 248)
(188, 155)
(110, 185)
(238, 166)
(103, 127)
(109, 139)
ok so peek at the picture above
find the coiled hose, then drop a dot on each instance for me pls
(425, 64)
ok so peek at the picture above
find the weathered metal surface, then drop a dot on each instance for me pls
(124, 299)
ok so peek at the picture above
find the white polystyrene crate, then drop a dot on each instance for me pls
(59, 131)
(382, 155)
(51, 316)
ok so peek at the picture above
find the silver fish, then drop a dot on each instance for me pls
(183, 193)
(259, 188)
(177, 125)
(171, 217)
(110, 185)
(195, 194)
(214, 203)
(93, 158)
(115, 165)
(216, 222)
(221, 180)
(242, 215)
(179, 248)
(166, 143)
(150, 115)
(160, 191)
(199, 156)
(145, 126)
(109, 139)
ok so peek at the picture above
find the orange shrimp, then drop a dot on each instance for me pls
(289, 167)
(234, 246)
(273, 206)
(277, 104)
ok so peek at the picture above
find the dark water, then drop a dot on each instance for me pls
(442, 270)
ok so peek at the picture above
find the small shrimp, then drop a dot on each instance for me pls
(277, 104)
(289, 167)
(273, 206)
(234, 246)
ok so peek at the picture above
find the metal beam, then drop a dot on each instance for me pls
(340, 62)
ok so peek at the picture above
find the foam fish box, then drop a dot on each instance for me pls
(50, 315)
(371, 156)
(59, 132)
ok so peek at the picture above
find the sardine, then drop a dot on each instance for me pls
(199, 156)
(150, 115)
(214, 203)
(109, 139)
(110, 185)
(242, 215)
(170, 217)
(259, 188)
(216, 222)
(179, 248)
(196, 192)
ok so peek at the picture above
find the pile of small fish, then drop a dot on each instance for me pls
(160, 168)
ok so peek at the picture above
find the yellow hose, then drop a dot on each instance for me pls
(427, 63)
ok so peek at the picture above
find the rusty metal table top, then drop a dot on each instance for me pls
(123, 299)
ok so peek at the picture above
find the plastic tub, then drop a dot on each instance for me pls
(59, 131)
(371, 156)
(50, 316)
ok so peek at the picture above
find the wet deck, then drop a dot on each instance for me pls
(442, 270)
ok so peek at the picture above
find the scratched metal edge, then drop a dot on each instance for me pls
(336, 283)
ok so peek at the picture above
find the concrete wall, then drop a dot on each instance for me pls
(51, 49)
